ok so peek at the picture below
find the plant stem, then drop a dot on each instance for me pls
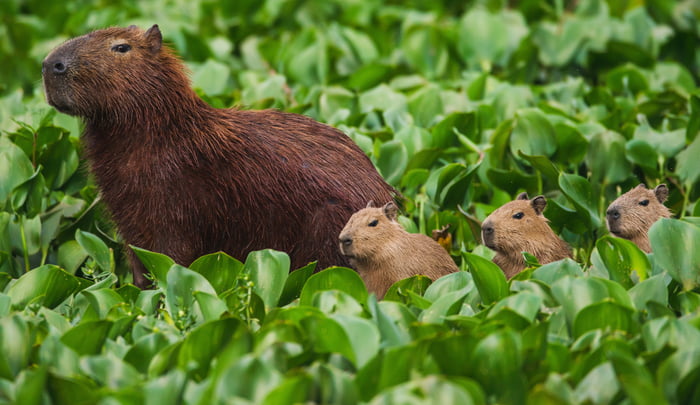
(23, 236)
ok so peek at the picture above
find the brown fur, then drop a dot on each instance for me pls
(185, 179)
(509, 236)
(632, 214)
(385, 253)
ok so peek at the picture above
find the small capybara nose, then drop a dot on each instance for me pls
(345, 240)
(487, 229)
(613, 213)
(55, 66)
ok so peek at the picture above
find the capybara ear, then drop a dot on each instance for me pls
(132, 27)
(661, 192)
(154, 39)
(538, 203)
(641, 185)
(522, 196)
(370, 204)
(391, 211)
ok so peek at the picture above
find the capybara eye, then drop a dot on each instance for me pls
(373, 223)
(644, 203)
(519, 215)
(121, 48)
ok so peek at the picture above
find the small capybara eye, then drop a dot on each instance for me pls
(519, 215)
(121, 48)
(644, 203)
(373, 223)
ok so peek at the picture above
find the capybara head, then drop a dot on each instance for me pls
(91, 74)
(632, 214)
(519, 226)
(368, 231)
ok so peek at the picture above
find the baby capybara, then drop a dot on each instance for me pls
(382, 252)
(519, 226)
(185, 179)
(632, 214)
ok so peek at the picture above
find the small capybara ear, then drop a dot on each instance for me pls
(154, 39)
(538, 203)
(391, 211)
(370, 204)
(132, 27)
(642, 185)
(661, 192)
(522, 196)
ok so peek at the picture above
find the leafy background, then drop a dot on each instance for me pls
(461, 105)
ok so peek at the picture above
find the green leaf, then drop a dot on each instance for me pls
(334, 278)
(363, 336)
(489, 279)
(328, 336)
(532, 134)
(486, 38)
(16, 339)
(48, 284)
(87, 338)
(675, 249)
(211, 77)
(688, 164)
(156, 263)
(15, 168)
(599, 386)
(399, 290)
(203, 344)
(96, 249)
(621, 257)
(578, 191)
(392, 160)
(220, 269)
(182, 283)
(268, 271)
(607, 316)
(295, 282)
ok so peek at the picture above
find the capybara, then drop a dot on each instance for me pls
(519, 226)
(632, 214)
(382, 252)
(185, 179)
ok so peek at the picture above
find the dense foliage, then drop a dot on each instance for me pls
(461, 105)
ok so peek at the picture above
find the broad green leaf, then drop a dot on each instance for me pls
(675, 249)
(166, 389)
(292, 390)
(599, 386)
(250, 378)
(489, 279)
(96, 249)
(110, 371)
(425, 391)
(392, 160)
(551, 272)
(16, 339)
(578, 191)
(30, 386)
(179, 296)
(87, 338)
(652, 289)
(336, 302)
(334, 278)
(363, 336)
(156, 263)
(142, 351)
(268, 271)
(15, 167)
(295, 282)
(532, 134)
(399, 290)
(621, 257)
(674, 373)
(486, 39)
(608, 316)
(47, 284)
(688, 165)
(328, 336)
(524, 304)
(497, 358)
(603, 168)
(102, 300)
(212, 307)
(203, 343)
(220, 269)
(211, 77)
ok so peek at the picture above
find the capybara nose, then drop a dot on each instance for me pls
(487, 230)
(345, 240)
(613, 213)
(55, 66)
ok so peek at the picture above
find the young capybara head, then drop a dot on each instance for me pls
(519, 226)
(632, 214)
(91, 74)
(368, 231)
(382, 252)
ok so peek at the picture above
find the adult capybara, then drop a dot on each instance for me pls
(185, 179)
(519, 226)
(632, 214)
(382, 252)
